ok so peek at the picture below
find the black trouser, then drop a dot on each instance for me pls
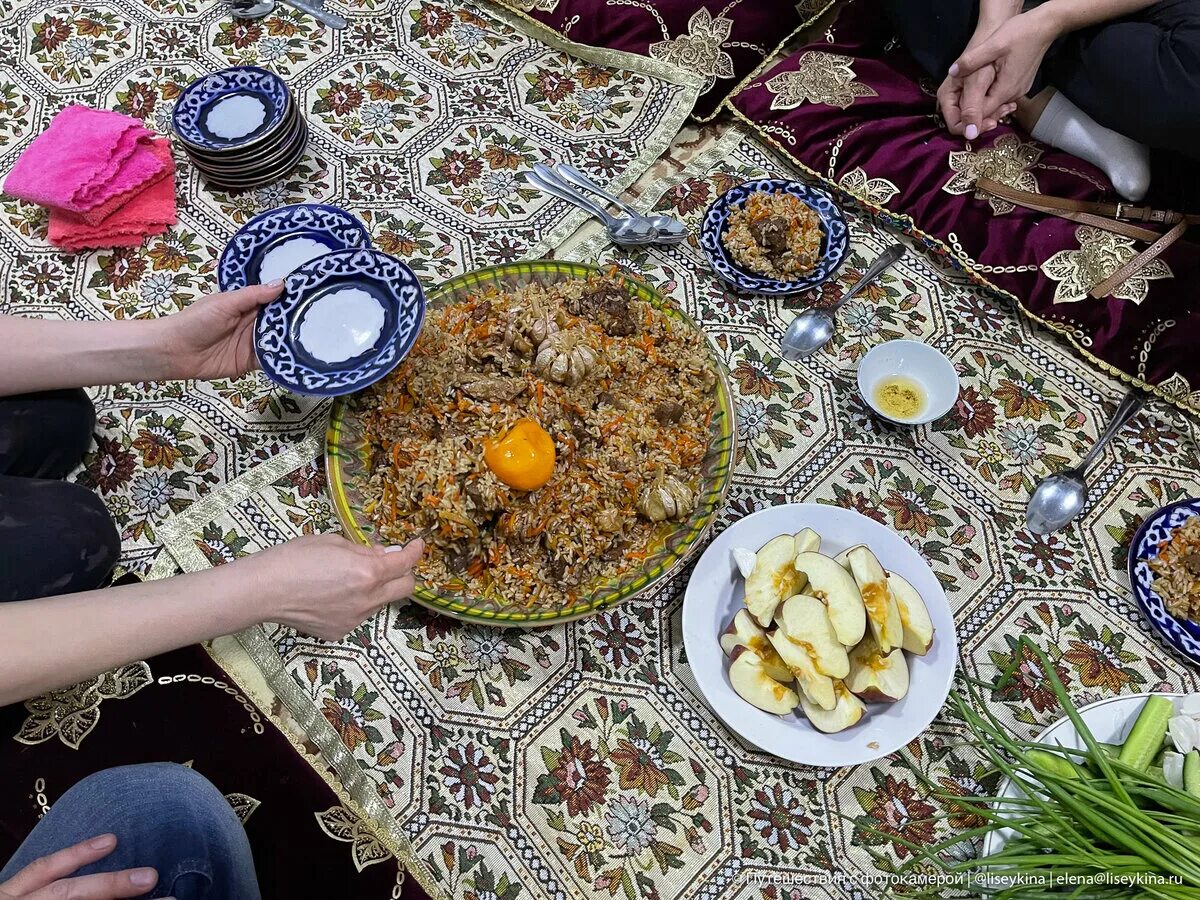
(1139, 75)
(55, 537)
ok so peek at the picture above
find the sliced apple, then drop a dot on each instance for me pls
(773, 579)
(806, 541)
(875, 676)
(843, 558)
(817, 687)
(882, 612)
(914, 616)
(805, 622)
(847, 710)
(756, 687)
(743, 631)
(835, 587)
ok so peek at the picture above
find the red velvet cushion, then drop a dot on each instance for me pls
(723, 40)
(859, 113)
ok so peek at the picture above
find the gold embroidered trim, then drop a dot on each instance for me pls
(880, 190)
(1100, 254)
(822, 7)
(700, 48)
(820, 77)
(1187, 405)
(342, 824)
(251, 709)
(70, 714)
(1008, 161)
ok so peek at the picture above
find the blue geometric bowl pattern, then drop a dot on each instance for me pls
(835, 237)
(1183, 635)
(328, 225)
(188, 117)
(285, 360)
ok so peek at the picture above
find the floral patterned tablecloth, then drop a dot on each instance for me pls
(421, 114)
(579, 761)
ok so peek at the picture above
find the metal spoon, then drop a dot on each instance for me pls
(670, 231)
(1060, 497)
(258, 9)
(813, 328)
(628, 232)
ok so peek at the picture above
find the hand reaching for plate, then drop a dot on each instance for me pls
(214, 337)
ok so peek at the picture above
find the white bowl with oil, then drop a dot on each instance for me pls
(907, 382)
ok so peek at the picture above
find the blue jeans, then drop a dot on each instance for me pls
(165, 816)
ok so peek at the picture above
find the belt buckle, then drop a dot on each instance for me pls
(1120, 213)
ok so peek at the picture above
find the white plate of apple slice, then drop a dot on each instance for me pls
(819, 635)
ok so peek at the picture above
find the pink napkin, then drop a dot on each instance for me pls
(150, 211)
(89, 162)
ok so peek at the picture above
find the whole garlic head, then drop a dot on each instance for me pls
(562, 357)
(666, 497)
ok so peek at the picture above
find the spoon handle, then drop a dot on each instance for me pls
(558, 188)
(1131, 404)
(885, 259)
(317, 12)
(577, 178)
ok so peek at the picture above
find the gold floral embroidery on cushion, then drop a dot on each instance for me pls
(1100, 254)
(874, 190)
(342, 825)
(1007, 161)
(243, 805)
(821, 78)
(700, 50)
(71, 713)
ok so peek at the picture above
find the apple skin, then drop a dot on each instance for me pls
(843, 558)
(814, 685)
(804, 621)
(877, 677)
(836, 588)
(847, 711)
(914, 615)
(743, 631)
(753, 685)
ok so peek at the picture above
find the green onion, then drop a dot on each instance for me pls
(1095, 823)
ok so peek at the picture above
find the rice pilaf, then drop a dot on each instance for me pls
(626, 395)
(1178, 569)
(774, 234)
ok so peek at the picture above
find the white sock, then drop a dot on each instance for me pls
(1067, 127)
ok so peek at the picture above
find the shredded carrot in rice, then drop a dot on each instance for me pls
(472, 376)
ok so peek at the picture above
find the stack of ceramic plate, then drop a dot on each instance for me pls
(241, 127)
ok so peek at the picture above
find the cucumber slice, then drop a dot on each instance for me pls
(1146, 736)
(1191, 773)
(1053, 762)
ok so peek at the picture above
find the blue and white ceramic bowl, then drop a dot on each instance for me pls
(345, 320)
(276, 243)
(230, 109)
(835, 237)
(1183, 635)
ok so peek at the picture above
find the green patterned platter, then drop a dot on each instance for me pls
(348, 464)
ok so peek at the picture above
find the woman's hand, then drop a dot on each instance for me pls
(50, 876)
(325, 585)
(214, 337)
(961, 99)
(1013, 53)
